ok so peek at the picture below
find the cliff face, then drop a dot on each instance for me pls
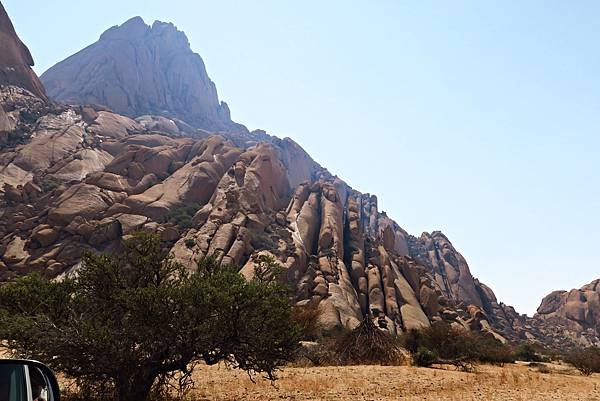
(16, 62)
(136, 69)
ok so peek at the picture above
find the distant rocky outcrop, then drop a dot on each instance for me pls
(135, 70)
(572, 316)
(16, 62)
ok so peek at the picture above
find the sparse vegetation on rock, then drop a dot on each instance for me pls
(182, 215)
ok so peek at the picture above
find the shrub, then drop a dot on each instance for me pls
(127, 323)
(587, 360)
(367, 344)
(489, 350)
(453, 344)
(49, 184)
(182, 215)
(526, 352)
(449, 342)
(190, 242)
(307, 318)
(425, 357)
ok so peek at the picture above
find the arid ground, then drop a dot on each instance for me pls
(385, 383)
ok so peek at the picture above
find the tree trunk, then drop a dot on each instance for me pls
(136, 388)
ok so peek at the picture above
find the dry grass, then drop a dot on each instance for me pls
(517, 382)
(387, 383)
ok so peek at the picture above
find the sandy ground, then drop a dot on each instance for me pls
(381, 383)
(516, 382)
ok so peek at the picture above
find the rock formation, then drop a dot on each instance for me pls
(571, 316)
(84, 178)
(135, 69)
(76, 178)
(15, 62)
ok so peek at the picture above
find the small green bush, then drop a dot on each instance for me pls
(412, 340)
(49, 184)
(182, 215)
(526, 352)
(425, 357)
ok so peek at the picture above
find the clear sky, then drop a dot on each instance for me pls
(477, 118)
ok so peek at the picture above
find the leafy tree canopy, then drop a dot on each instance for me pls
(129, 321)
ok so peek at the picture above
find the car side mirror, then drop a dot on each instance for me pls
(24, 380)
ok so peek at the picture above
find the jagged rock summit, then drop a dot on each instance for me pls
(16, 61)
(135, 70)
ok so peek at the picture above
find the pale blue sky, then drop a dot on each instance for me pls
(477, 118)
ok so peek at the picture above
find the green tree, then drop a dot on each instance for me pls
(526, 352)
(128, 321)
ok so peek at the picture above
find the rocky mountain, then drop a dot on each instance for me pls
(135, 69)
(15, 62)
(78, 178)
(107, 176)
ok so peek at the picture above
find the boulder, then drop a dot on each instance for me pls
(83, 200)
(15, 251)
(45, 236)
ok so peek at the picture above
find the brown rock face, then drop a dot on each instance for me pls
(575, 313)
(16, 61)
(135, 70)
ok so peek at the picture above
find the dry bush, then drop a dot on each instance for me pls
(367, 344)
(307, 318)
(543, 369)
(454, 346)
(587, 360)
(489, 350)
